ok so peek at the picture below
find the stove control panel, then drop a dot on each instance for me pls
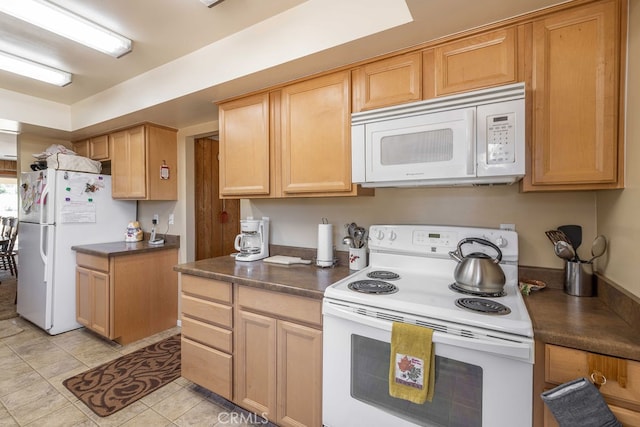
(438, 241)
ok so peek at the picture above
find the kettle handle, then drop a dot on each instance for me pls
(482, 242)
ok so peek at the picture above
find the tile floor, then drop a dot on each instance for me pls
(33, 365)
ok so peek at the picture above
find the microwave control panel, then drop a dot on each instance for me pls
(501, 139)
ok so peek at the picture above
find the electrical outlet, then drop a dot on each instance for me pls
(156, 218)
(171, 219)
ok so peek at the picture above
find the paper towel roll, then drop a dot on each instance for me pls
(324, 257)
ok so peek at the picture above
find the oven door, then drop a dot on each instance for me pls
(478, 382)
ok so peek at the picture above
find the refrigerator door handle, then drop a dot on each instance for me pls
(43, 256)
(43, 205)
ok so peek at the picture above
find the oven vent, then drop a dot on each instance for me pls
(389, 317)
(434, 326)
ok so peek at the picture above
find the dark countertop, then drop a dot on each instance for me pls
(298, 279)
(595, 324)
(126, 248)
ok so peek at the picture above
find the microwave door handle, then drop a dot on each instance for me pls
(471, 146)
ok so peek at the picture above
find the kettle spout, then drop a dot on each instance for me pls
(455, 255)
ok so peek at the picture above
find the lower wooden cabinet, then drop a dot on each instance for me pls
(258, 348)
(207, 335)
(127, 297)
(278, 360)
(621, 390)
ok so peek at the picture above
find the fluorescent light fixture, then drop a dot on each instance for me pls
(66, 24)
(9, 126)
(24, 67)
(211, 3)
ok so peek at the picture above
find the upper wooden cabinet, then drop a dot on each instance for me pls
(387, 82)
(575, 90)
(245, 165)
(316, 136)
(95, 148)
(474, 62)
(292, 142)
(144, 163)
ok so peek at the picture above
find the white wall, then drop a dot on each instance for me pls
(294, 221)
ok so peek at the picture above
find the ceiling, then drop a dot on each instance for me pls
(166, 30)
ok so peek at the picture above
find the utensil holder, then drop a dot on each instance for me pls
(357, 258)
(579, 280)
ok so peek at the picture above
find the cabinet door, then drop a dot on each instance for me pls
(475, 62)
(575, 87)
(299, 375)
(99, 148)
(255, 363)
(387, 82)
(245, 146)
(316, 135)
(92, 300)
(81, 148)
(128, 171)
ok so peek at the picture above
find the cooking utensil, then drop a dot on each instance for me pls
(350, 228)
(477, 271)
(358, 236)
(348, 240)
(574, 233)
(556, 236)
(598, 247)
(564, 250)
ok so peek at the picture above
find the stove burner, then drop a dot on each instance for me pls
(373, 287)
(485, 306)
(383, 275)
(457, 288)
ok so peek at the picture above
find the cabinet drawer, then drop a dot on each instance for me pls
(207, 367)
(207, 311)
(282, 305)
(565, 364)
(222, 339)
(207, 288)
(93, 262)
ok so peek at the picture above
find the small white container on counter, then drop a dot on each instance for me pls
(357, 258)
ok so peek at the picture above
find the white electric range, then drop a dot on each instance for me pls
(484, 359)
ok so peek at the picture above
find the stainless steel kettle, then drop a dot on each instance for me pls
(477, 271)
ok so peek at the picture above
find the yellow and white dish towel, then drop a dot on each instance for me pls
(412, 363)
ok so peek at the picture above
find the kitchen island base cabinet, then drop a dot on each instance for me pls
(129, 297)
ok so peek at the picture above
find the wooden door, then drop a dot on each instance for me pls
(479, 61)
(255, 363)
(245, 148)
(299, 375)
(575, 84)
(316, 135)
(217, 221)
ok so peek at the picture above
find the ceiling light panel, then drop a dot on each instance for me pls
(34, 70)
(66, 24)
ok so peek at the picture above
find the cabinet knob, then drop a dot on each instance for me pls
(598, 379)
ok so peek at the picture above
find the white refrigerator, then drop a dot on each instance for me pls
(59, 209)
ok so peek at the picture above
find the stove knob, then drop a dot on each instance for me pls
(392, 236)
(380, 235)
(501, 242)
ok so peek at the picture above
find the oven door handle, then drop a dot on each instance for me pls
(501, 347)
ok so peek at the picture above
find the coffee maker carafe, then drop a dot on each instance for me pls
(253, 240)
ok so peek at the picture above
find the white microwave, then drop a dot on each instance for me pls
(465, 139)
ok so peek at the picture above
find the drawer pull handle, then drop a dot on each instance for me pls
(598, 379)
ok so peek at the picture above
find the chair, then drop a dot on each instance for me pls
(7, 252)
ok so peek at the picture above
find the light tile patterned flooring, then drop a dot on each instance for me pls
(33, 365)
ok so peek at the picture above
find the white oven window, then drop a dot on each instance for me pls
(457, 400)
